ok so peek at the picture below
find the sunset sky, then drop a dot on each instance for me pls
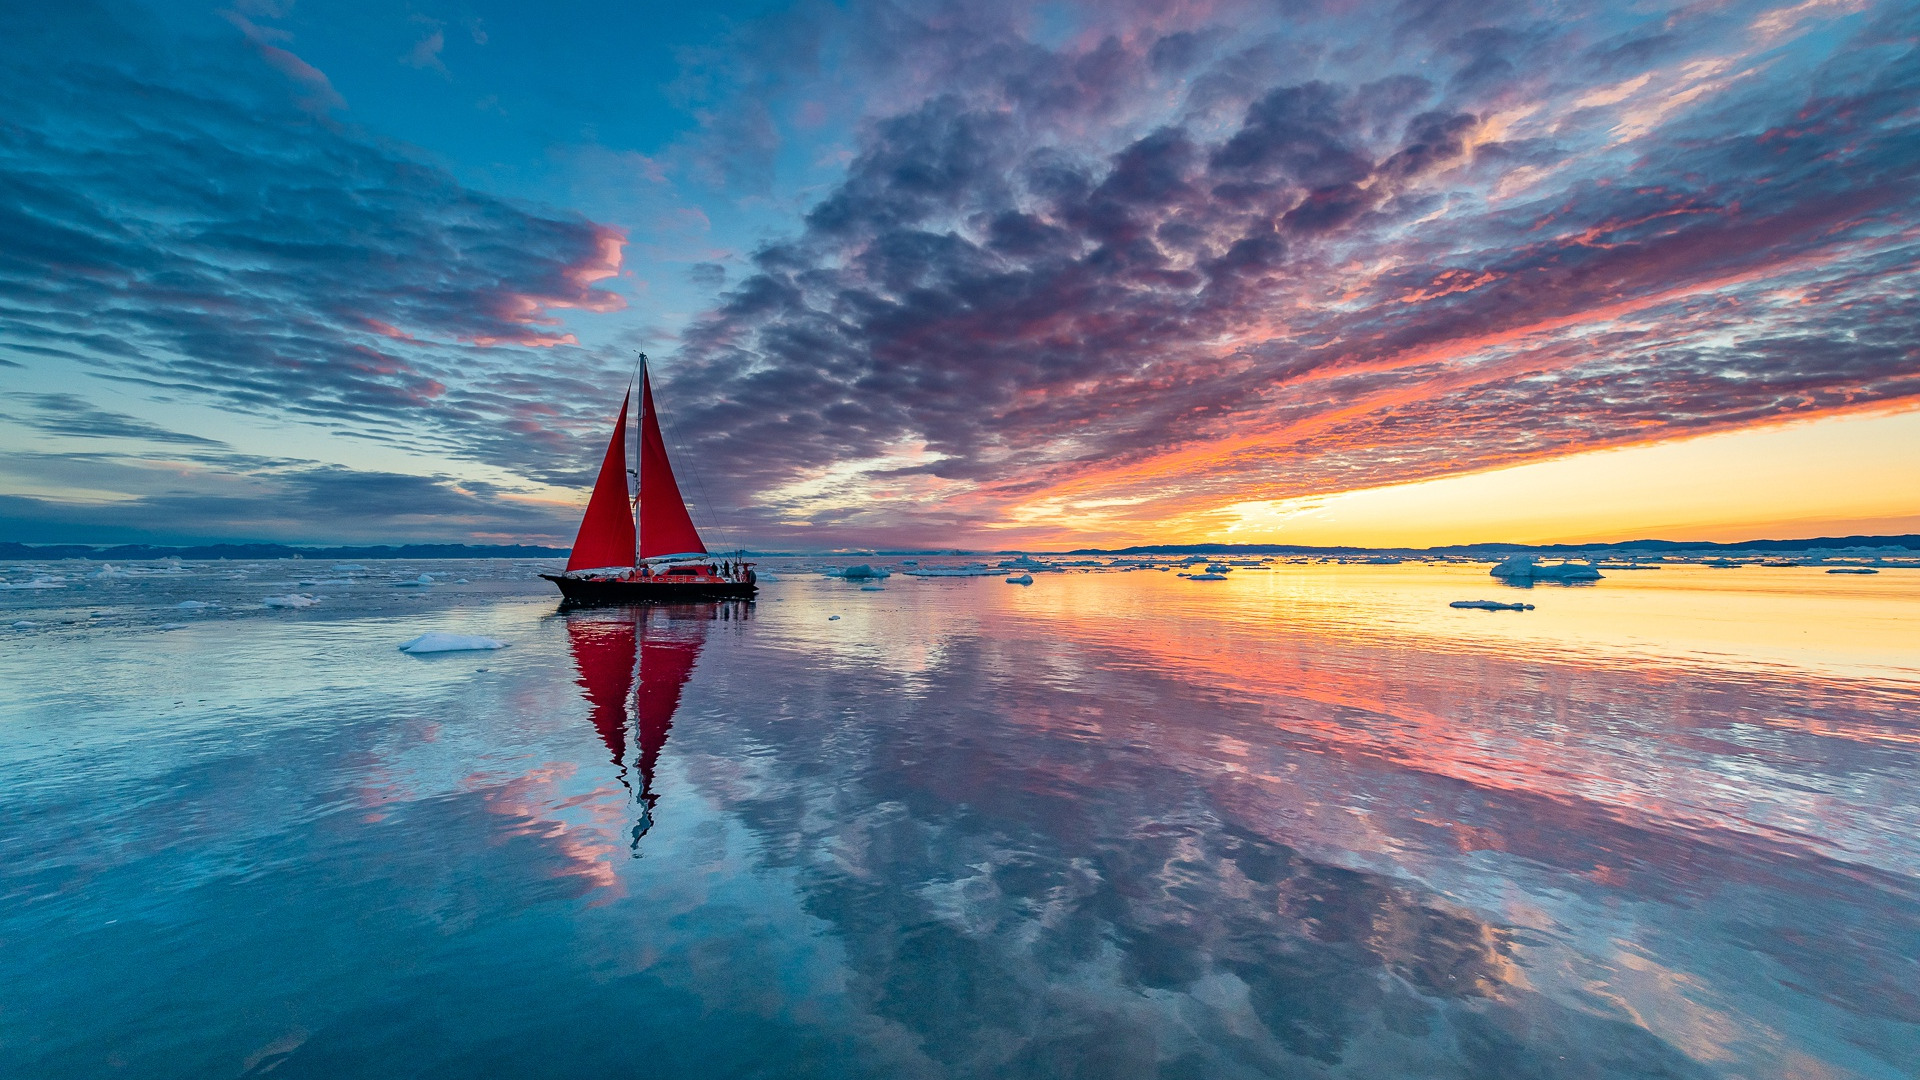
(984, 274)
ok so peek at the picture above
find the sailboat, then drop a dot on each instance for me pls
(644, 549)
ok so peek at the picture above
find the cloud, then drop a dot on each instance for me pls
(175, 217)
(1389, 263)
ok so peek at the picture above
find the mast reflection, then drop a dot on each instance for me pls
(633, 663)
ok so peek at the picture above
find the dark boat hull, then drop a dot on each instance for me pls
(656, 590)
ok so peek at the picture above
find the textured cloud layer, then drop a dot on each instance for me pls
(1096, 272)
(1150, 271)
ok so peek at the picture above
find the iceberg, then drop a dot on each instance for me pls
(1023, 579)
(438, 642)
(41, 582)
(295, 600)
(1490, 605)
(1023, 562)
(1208, 576)
(25, 624)
(857, 572)
(420, 582)
(1522, 568)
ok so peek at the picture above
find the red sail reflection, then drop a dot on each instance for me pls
(639, 657)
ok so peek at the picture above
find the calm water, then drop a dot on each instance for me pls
(1307, 821)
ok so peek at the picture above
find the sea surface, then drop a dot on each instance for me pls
(1307, 821)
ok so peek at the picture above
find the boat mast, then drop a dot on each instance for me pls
(639, 370)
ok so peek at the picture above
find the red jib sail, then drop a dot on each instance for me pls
(665, 527)
(606, 533)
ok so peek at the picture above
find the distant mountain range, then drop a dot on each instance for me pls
(138, 552)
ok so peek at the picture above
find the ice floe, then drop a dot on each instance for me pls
(1023, 579)
(41, 582)
(438, 642)
(193, 605)
(871, 588)
(856, 572)
(174, 625)
(292, 600)
(970, 570)
(1523, 568)
(1490, 605)
(1852, 570)
(420, 582)
(1208, 576)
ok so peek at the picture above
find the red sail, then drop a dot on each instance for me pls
(606, 533)
(665, 527)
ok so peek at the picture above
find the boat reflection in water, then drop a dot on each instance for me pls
(633, 664)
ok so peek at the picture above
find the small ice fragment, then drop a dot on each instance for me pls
(461, 581)
(860, 570)
(294, 600)
(1023, 579)
(420, 582)
(1490, 605)
(173, 626)
(1853, 570)
(191, 605)
(833, 618)
(25, 624)
(871, 588)
(1205, 577)
(438, 642)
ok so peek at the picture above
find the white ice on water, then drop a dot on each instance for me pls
(438, 642)
(1490, 605)
(294, 600)
(1023, 579)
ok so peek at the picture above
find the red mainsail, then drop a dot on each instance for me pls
(665, 526)
(606, 533)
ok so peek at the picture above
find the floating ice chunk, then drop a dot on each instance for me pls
(193, 605)
(292, 600)
(1023, 579)
(976, 570)
(1208, 576)
(1023, 562)
(461, 581)
(173, 626)
(420, 582)
(107, 571)
(41, 582)
(871, 588)
(1490, 605)
(1853, 570)
(438, 642)
(833, 618)
(857, 572)
(25, 624)
(1523, 568)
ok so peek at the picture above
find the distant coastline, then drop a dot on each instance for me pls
(10, 551)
